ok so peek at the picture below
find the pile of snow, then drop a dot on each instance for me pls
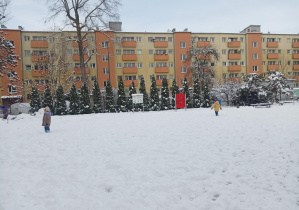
(246, 158)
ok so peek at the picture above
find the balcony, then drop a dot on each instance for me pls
(75, 44)
(78, 70)
(76, 57)
(272, 56)
(39, 58)
(163, 44)
(234, 68)
(234, 44)
(39, 73)
(127, 83)
(78, 84)
(40, 87)
(235, 79)
(39, 44)
(202, 57)
(159, 82)
(129, 44)
(130, 70)
(295, 44)
(296, 78)
(161, 57)
(273, 67)
(296, 55)
(129, 57)
(272, 44)
(203, 43)
(296, 67)
(234, 56)
(162, 69)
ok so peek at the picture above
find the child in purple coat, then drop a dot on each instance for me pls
(47, 119)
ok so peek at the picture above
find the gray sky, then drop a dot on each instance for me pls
(228, 16)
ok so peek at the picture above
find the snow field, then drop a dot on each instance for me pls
(246, 158)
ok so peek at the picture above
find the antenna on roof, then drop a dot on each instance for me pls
(186, 29)
(173, 30)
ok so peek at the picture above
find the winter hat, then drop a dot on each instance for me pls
(47, 109)
(3, 107)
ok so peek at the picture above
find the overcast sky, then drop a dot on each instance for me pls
(228, 16)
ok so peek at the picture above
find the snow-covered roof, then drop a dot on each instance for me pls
(15, 96)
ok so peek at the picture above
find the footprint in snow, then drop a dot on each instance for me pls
(215, 197)
(108, 189)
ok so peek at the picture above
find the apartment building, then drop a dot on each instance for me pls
(52, 57)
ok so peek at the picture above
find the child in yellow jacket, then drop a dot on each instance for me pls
(216, 107)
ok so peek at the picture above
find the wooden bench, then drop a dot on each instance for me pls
(267, 105)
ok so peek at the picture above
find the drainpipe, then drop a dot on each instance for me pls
(22, 69)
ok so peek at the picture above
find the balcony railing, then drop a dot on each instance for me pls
(234, 44)
(39, 44)
(296, 55)
(235, 79)
(203, 43)
(76, 57)
(295, 44)
(273, 56)
(296, 67)
(78, 84)
(163, 44)
(202, 57)
(78, 70)
(75, 44)
(273, 67)
(129, 44)
(161, 57)
(39, 73)
(159, 82)
(234, 56)
(234, 68)
(130, 70)
(296, 78)
(127, 83)
(129, 57)
(39, 58)
(162, 69)
(40, 87)
(272, 44)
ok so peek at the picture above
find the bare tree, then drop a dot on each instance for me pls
(4, 10)
(85, 16)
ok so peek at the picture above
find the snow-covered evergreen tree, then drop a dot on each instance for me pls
(109, 98)
(85, 107)
(175, 90)
(275, 84)
(187, 93)
(154, 95)
(132, 90)
(142, 90)
(227, 91)
(121, 100)
(165, 103)
(206, 102)
(74, 101)
(35, 103)
(60, 104)
(97, 97)
(196, 94)
(48, 99)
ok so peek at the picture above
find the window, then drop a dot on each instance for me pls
(212, 39)
(263, 39)
(39, 52)
(105, 83)
(182, 44)
(279, 39)
(12, 89)
(105, 70)
(242, 51)
(117, 39)
(288, 51)
(28, 67)
(138, 39)
(127, 39)
(129, 64)
(223, 51)
(51, 39)
(69, 52)
(242, 63)
(183, 69)
(255, 68)
(271, 63)
(90, 38)
(242, 75)
(36, 81)
(279, 51)
(183, 57)
(77, 65)
(289, 63)
(212, 64)
(78, 78)
(10, 74)
(254, 56)
(241, 39)
(129, 52)
(69, 65)
(289, 74)
(279, 63)
(263, 51)
(105, 44)
(27, 53)
(270, 39)
(264, 63)
(118, 52)
(170, 64)
(54, 81)
(224, 63)
(224, 75)
(130, 77)
(160, 64)
(139, 65)
(39, 38)
(288, 40)
(296, 74)
(93, 78)
(150, 52)
(140, 77)
(231, 63)
(295, 51)
(158, 77)
(151, 65)
(270, 51)
(76, 52)
(150, 39)
(160, 39)
(28, 82)
(170, 52)
(92, 65)
(171, 76)
(202, 39)
(232, 51)
(139, 52)
(223, 39)
(160, 52)
(233, 75)
(170, 39)
(254, 44)
(105, 57)
(26, 38)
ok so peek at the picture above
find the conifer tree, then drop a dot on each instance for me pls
(60, 105)
(74, 101)
(175, 90)
(154, 95)
(142, 90)
(132, 90)
(206, 97)
(196, 94)
(109, 98)
(97, 97)
(35, 102)
(165, 103)
(121, 100)
(85, 107)
(187, 93)
(48, 99)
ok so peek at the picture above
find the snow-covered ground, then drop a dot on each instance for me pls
(244, 159)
